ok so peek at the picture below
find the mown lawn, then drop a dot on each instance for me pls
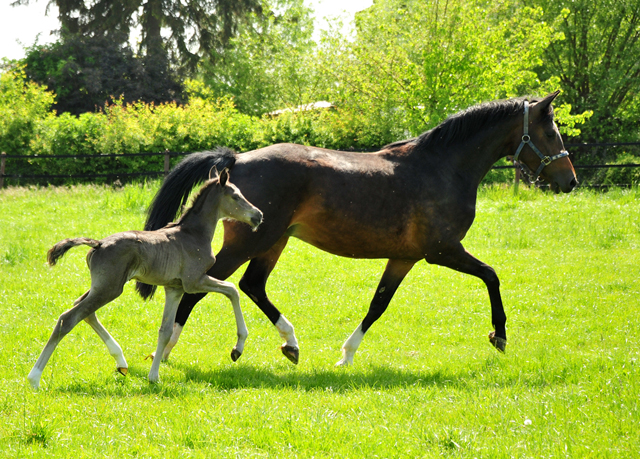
(426, 382)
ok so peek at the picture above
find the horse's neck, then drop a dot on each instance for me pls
(474, 158)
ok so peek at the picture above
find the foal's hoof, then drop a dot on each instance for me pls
(235, 354)
(123, 371)
(499, 343)
(290, 352)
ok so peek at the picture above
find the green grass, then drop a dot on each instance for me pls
(426, 382)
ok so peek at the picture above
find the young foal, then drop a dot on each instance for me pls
(176, 257)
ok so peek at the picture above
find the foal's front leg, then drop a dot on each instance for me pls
(209, 284)
(172, 300)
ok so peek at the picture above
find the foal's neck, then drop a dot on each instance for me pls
(204, 216)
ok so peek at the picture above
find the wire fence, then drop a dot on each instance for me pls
(598, 165)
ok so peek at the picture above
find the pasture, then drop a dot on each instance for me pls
(426, 382)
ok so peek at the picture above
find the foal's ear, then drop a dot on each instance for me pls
(224, 176)
(213, 173)
(543, 107)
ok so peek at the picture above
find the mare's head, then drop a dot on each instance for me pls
(233, 205)
(541, 149)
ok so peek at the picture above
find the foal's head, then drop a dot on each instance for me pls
(233, 205)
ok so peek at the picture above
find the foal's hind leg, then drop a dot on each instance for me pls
(172, 299)
(87, 304)
(253, 283)
(394, 273)
(210, 284)
(114, 348)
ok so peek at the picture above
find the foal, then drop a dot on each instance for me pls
(176, 257)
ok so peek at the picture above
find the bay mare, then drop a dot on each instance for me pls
(413, 200)
(176, 256)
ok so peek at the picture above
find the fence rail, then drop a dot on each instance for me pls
(598, 151)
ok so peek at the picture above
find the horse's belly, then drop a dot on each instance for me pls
(348, 242)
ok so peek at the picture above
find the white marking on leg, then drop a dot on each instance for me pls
(350, 347)
(112, 345)
(34, 377)
(285, 329)
(175, 336)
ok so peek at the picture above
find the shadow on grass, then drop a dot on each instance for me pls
(488, 374)
(236, 377)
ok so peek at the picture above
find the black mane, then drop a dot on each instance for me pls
(463, 125)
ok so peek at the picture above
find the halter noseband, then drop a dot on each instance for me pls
(526, 140)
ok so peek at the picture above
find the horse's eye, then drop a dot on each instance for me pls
(551, 135)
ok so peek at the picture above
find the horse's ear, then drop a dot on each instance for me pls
(213, 173)
(543, 107)
(224, 176)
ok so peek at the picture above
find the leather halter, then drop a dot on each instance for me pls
(526, 140)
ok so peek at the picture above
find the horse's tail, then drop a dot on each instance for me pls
(174, 192)
(62, 247)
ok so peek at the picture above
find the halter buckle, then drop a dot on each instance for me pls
(546, 160)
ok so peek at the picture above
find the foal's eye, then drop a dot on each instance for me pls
(551, 135)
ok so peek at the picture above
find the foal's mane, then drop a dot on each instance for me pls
(466, 123)
(197, 201)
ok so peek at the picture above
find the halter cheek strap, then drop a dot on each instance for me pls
(526, 140)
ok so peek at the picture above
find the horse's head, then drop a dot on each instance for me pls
(233, 205)
(541, 149)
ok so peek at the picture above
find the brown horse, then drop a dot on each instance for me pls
(412, 200)
(176, 257)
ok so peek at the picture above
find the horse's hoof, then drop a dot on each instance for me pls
(235, 354)
(290, 352)
(123, 371)
(499, 343)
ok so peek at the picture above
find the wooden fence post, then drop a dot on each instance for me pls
(167, 162)
(3, 160)
(516, 180)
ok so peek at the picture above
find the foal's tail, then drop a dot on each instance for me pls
(174, 192)
(61, 247)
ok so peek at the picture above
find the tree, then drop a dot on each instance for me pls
(268, 64)
(195, 27)
(86, 72)
(598, 63)
(412, 64)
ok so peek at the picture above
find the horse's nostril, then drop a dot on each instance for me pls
(573, 183)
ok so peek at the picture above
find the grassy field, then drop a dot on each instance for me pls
(426, 382)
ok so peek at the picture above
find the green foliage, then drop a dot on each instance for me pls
(195, 27)
(85, 72)
(411, 65)
(23, 106)
(269, 64)
(597, 63)
(425, 383)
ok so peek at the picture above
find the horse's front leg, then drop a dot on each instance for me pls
(394, 273)
(210, 284)
(172, 300)
(456, 257)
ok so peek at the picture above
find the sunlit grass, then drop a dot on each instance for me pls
(425, 383)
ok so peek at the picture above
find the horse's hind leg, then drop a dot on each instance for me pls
(172, 299)
(210, 284)
(253, 283)
(87, 304)
(394, 273)
(114, 348)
